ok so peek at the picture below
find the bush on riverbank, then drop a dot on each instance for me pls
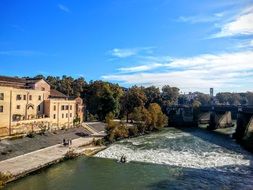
(143, 121)
(70, 154)
(98, 142)
(4, 177)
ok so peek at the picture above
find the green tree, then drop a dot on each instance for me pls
(228, 98)
(54, 82)
(79, 85)
(204, 99)
(66, 85)
(102, 98)
(134, 97)
(153, 95)
(169, 95)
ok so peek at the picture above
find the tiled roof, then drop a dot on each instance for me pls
(26, 83)
(56, 94)
(17, 82)
(12, 81)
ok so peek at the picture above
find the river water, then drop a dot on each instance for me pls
(170, 159)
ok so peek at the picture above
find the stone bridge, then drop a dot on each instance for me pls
(216, 117)
(244, 129)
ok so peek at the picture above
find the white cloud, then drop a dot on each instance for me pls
(141, 68)
(128, 52)
(221, 71)
(201, 18)
(242, 24)
(63, 8)
(121, 53)
(245, 44)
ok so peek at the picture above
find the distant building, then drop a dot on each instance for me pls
(31, 104)
(191, 96)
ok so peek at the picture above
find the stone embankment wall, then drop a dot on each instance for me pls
(33, 125)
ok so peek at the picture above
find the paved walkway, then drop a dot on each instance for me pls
(27, 163)
(96, 128)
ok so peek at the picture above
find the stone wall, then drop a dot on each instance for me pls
(36, 125)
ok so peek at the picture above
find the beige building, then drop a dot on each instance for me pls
(31, 104)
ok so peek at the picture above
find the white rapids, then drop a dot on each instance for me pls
(184, 149)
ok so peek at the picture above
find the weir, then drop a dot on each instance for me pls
(216, 117)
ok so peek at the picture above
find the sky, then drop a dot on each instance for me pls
(191, 44)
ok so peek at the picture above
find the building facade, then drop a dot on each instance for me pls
(31, 104)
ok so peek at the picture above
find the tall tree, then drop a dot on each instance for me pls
(204, 99)
(153, 95)
(67, 85)
(158, 119)
(78, 86)
(134, 97)
(102, 98)
(228, 98)
(169, 95)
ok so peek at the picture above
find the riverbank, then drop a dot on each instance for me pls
(189, 158)
(22, 165)
(16, 147)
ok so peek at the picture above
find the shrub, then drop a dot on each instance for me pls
(70, 154)
(99, 142)
(30, 134)
(133, 131)
(42, 131)
(121, 131)
(64, 127)
(76, 121)
(4, 177)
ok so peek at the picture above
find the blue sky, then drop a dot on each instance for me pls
(191, 44)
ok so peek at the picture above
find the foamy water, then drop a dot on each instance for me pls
(193, 149)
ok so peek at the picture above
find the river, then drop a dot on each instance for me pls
(170, 159)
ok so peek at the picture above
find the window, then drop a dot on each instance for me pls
(70, 107)
(70, 115)
(30, 97)
(62, 107)
(38, 107)
(18, 107)
(54, 116)
(43, 89)
(62, 115)
(24, 97)
(67, 107)
(54, 108)
(18, 97)
(1, 109)
(39, 97)
(66, 115)
(1, 96)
